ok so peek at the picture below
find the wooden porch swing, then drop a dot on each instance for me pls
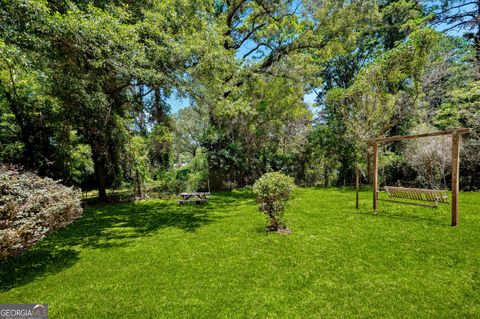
(435, 196)
(417, 194)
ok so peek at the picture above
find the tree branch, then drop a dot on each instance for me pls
(455, 17)
(248, 35)
(459, 6)
(459, 25)
(255, 49)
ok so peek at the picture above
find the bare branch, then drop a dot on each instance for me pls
(460, 24)
(255, 49)
(456, 17)
(459, 6)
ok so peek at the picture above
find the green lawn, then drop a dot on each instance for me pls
(158, 259)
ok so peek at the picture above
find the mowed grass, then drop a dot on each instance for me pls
(156, 259)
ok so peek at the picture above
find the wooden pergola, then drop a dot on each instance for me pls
(456, 135)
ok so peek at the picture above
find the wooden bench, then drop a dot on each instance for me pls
(428, 195)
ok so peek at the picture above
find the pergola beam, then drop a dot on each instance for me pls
(459, 131)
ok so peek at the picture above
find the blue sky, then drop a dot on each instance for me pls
(177, 103)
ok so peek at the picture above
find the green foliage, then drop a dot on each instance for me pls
(31, 208)
(11, 149)
(190, 177)
(82, 164)
(191, 126)
(399, 19)
(462, 108)
(140, 165)
(170, 183)
(380, 98)
(198, 173)
(273, 191)
(88, 85)
(160, 145)
(268, 134)
(95, 62)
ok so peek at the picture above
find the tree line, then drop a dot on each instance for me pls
(86, 90)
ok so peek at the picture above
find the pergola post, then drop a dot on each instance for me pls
(456, 139)
(375, 176)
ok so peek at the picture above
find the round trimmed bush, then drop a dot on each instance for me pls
(32, 207)
(273, 191)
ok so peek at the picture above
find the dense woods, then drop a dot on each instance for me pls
(86, 89)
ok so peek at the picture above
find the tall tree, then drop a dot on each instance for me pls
(98, 55)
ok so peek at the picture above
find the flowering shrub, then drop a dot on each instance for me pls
(31, 207)
(273, 191)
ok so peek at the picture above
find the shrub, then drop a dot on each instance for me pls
(273, 191)
(32, 207)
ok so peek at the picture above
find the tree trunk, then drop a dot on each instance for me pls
(325, 177)
(473, 180)
(477, 50)
(138, 179)
(160, 113)
(477, 39)
(100, 170)
(101, 180)
(301, 170)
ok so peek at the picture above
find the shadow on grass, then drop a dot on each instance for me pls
(431, 218)
(112, 226)
(38, 262)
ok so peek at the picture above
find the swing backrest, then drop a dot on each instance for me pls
(428, 195)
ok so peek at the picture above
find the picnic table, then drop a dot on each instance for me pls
(195, 197)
